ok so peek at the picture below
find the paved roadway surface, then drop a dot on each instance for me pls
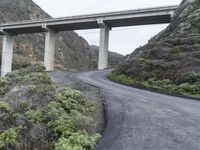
(143, 120)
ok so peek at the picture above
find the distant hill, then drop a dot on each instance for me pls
(113, 58)
(171, 60)
(72, 51)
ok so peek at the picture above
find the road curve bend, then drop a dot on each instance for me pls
(143, 120)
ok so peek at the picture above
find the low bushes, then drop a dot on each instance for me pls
(190, 86)
(68, 106)
(186, 88)
(77, 141)
(9, 137)
(122, 78)
(36, 114)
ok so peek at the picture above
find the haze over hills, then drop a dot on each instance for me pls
(72, 51)
(171, 60)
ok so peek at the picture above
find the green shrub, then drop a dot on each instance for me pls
(5, 106)
(70, 105)
(193, 78)
(70, 93)
(71, 112)
(63, 125)
(42, 89)
(4, 85)
(9, 137)
(37, 78)
(77, 141)
(75, 100)
(24, 71)
(122, 78)
(35, 116)
(56, 109)
(157, 84)
(9, 116)
(34, 74)
(190, 86)
(7, 113)
(81, 121)
(191, 89)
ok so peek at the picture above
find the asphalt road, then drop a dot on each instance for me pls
(143, 120)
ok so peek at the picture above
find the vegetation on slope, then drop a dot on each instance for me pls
(190, 87)
(170, 61)
(35, 114)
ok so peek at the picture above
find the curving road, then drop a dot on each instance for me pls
(143, 120)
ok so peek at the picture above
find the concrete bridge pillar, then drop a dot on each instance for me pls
(50, 38)
(103, 45)
(7, 54)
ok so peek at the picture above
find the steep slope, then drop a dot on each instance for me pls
(171, 60)
(72, 51)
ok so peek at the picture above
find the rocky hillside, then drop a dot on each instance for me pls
(171, 60)
(72, 51)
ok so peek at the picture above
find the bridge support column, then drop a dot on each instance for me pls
(103, 47)
(49, 55)
(7, 54)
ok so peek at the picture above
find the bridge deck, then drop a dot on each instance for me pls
(157, 15)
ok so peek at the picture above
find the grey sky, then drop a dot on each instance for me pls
(122, 40)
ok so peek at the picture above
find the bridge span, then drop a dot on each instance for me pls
(104, 21)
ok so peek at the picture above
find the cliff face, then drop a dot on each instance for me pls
(170, 62)
(72, 51)
(174, 53)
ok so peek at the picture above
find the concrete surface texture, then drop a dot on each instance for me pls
(7, 53)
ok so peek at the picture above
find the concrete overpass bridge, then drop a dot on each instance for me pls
(104, 21)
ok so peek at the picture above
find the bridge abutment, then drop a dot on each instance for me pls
(50, 39)
(7, 54)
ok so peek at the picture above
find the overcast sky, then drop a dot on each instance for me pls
(122, 40)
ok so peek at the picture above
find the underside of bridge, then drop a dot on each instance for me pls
(104, 22)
